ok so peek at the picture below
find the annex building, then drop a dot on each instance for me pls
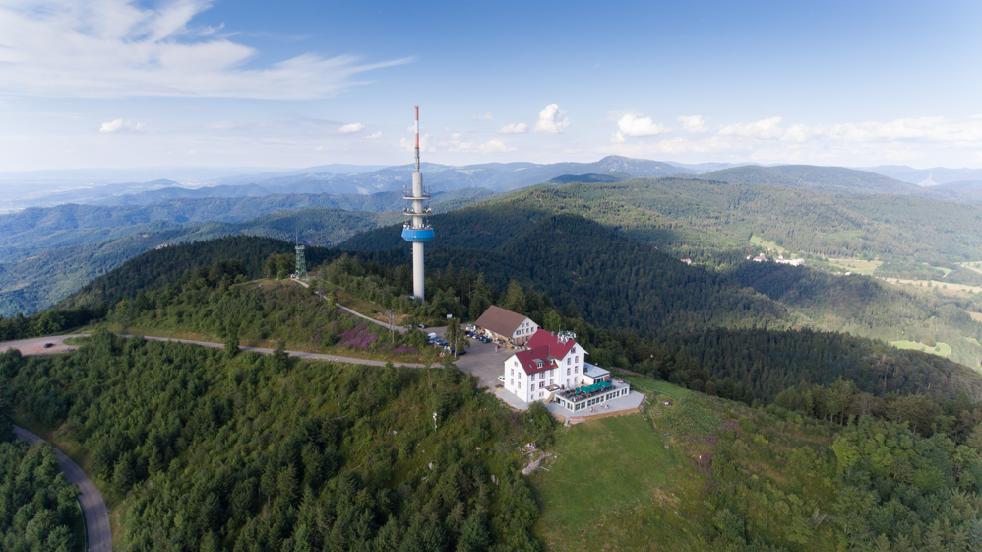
(506, 325)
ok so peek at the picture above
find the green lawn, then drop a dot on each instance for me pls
(941, 349)
(642, 482)
(627, 483)
(858, 266)
(614, 485)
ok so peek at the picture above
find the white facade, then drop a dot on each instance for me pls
(566, 372)
(524, 331)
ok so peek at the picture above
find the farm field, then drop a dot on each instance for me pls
(858, 266)
(945, 288)
(941, 349)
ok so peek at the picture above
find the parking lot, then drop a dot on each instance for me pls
(481, 360)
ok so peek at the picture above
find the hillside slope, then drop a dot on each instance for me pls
(824, 178)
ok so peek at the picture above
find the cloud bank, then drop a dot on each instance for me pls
(116, 49)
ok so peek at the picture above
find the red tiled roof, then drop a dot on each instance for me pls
(546, 347)
(557, 349)
(528, 357)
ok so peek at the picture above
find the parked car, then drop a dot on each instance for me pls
(501, 379)
(48, 345)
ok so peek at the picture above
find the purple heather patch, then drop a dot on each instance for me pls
(359, 337)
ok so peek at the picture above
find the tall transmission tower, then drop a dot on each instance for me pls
(300, 270)
(416, 230)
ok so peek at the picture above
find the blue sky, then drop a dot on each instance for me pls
(119, 84)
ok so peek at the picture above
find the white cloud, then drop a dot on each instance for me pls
(116, 48)
(486, 116)
(919, 141)
(551, 120)
(769, 127)
(636, 125)
(514, 128)
(375, 135)
(692, 123)
(120, 125)
(351, 128)
(493, 145)
(458, 144)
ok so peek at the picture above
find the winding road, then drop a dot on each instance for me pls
(93, 507)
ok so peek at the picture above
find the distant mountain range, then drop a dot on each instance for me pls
(928, 177)
(24, 190)
(46, 252)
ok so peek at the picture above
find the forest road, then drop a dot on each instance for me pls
(93, 507)
(35, 346)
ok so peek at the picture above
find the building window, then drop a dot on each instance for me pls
(567, 371)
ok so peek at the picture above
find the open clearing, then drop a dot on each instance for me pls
(618, 484)
(647, 481)
(858, 266)
(977, 316)
(767, 244)
(946, 288)
(941, 349)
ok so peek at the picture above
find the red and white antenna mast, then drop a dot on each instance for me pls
(417, 138)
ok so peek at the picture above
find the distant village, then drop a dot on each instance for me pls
(762, 258)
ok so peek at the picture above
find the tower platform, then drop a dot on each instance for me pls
(410, 234)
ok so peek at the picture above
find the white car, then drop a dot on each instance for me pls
(501, 379)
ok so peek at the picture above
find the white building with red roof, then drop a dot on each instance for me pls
(553, 368)
(548, 363)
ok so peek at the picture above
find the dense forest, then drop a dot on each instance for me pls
(629, 284)
(51, 321)
(206, 451)
(872, 485)
(865, 306)
(38, 508)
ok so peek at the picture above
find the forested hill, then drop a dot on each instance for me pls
(587, 268)
(808, 176)
(600, 249)
(865, 306)
(167, 265)
(48, 253)
(696, 214)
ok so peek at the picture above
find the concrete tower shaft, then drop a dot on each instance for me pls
(416, 230)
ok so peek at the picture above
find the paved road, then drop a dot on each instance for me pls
(93, 507)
